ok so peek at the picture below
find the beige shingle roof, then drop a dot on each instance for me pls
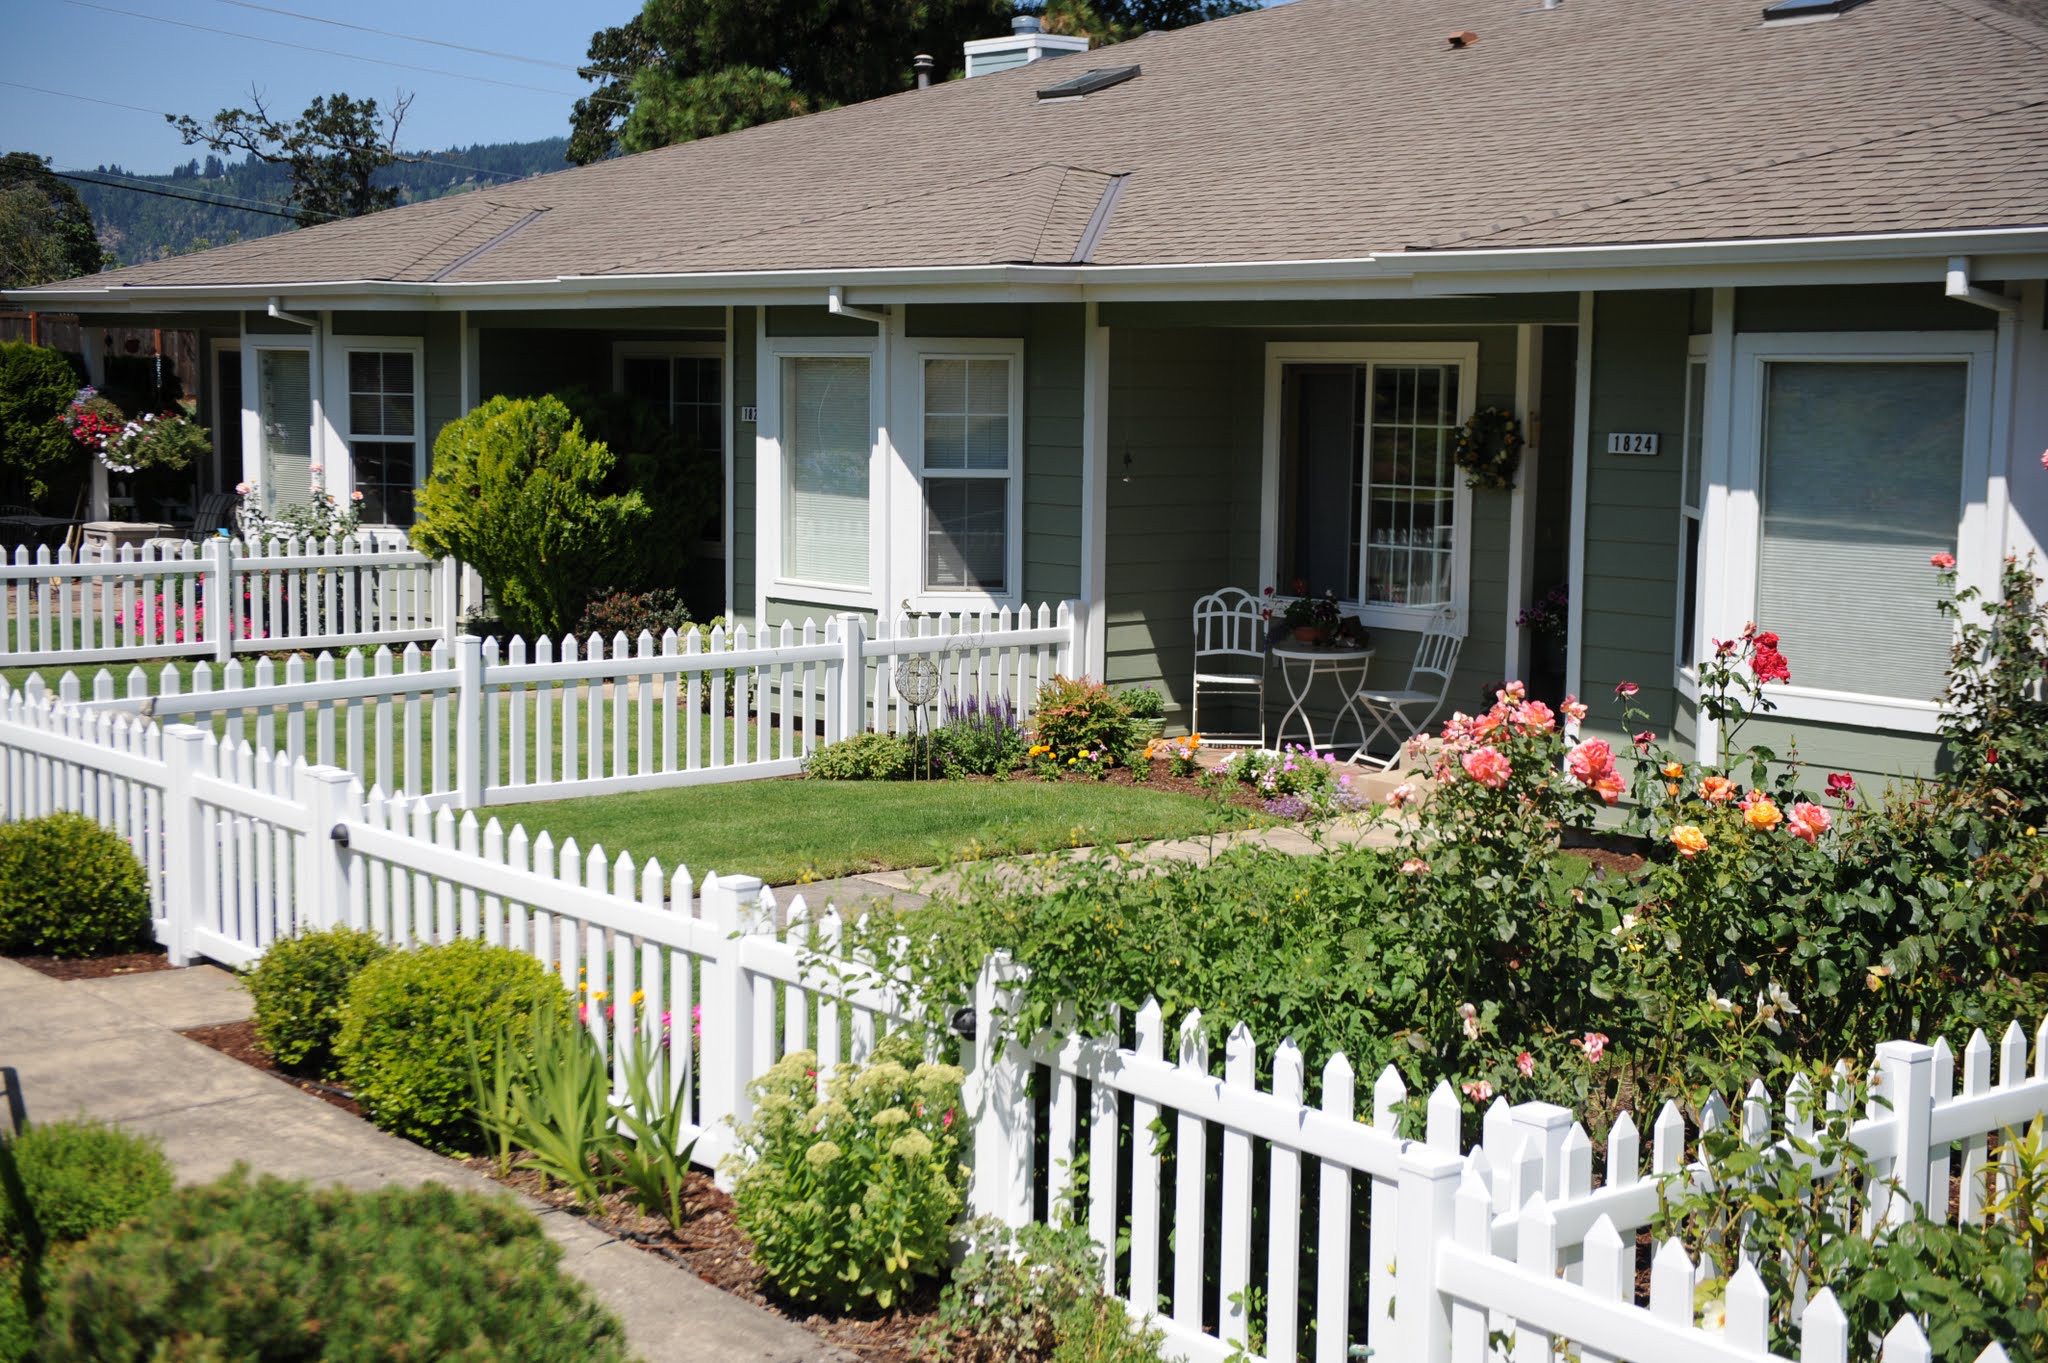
(1322, 129)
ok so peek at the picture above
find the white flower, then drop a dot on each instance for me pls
(1725, 1005)
(1781, 1000)
(1626, 926)
(1471, 1017)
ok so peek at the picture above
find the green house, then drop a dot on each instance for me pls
(1763, 292)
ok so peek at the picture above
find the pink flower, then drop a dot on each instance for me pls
(1526, 1063)
(242, 489)
(1415, 866)
(1943, 561)
(1644, 739)
(1594, 1045)
(1574, 709)
(1478, 1090)
(1488, 767)
(1808, 821)
(1534, 717)
(1401, 795)
(1589, 761)
(1840, 784)
(1626, 689)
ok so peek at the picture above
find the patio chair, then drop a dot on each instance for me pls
(216, 512)
(1405, 713)
(1230, 654)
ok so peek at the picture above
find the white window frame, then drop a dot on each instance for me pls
(909, 550)
(772, 476)
(1735, 542)
(340, 465)
(1686, 652)
(701, 350)
(1465, 356)
(253, 345)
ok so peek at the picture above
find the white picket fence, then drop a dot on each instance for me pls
(462, 723)
(1249, 1222)
(219, 597)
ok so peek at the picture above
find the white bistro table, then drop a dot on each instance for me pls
(1301, 664)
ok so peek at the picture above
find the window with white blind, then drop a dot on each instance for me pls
(284, 408)
(826, 438)
(383, 432)
(970, 446)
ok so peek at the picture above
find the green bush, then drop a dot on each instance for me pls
(298, 989)
(80, 1177)
(979, 738)
(272, 1272)
(1142, 702)
(404, 1042)
(1033, 1294)
(863, 757)
(611, 612)
(36, 388)
(849, 1200)
(1080, 719)
(69, 887)
(517, 492)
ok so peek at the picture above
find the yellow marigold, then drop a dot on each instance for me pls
(1689, 840)
(639, 997)
(1763, 816)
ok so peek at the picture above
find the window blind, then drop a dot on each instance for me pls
(284, 386)
(1863, 473)
(825, 448)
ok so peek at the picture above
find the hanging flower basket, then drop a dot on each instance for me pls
(1489, 448)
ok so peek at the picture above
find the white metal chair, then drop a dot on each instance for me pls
(1407, 712)
(1230, 633)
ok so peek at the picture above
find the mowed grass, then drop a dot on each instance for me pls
(785, 830)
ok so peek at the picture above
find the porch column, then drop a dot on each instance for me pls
(1582, 444)
(1522, 501)
(1717, 515)
(2027, 490)
(1094, 493)
(93, 342)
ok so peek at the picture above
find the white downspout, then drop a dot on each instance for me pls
(1963, 291)
(836, 304)
(2004, 376)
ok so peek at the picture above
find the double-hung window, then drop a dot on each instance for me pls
(969, 439)
(1869, 456)
(382, 412)
(1363, 500)
(685, 382)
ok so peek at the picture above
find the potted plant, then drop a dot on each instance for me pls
(1147, 709)
(1311, 619)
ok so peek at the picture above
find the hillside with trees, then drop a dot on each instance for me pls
(136, 224)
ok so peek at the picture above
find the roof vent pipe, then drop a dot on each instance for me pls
(1963, 291)
(1026, 23)
(923, 64)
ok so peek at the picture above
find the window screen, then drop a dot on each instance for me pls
(1863, 472)
(825, 448)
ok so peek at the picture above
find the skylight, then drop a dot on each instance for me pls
(1807, 9)
(1088, 82)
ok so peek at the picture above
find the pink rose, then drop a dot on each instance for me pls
(1534, 717)
(1478, 1090)
(1943, 561)
(1526, 1063)
(1415, 866)
(1488, 767)
(1589, 761)
(1808, 821)
(1594, 1045)
(1574, 709)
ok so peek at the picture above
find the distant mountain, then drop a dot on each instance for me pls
(137, 225)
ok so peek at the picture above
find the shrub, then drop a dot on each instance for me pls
(270, 1270)
(612, 612)
(979, 738)
(299, 987)
(681, 481)
(80, 1177)
(1295, 783)
(517, 492)
(69, 887)
(36, 388)
(1078, 718)
(403, 1047)
(863, 757)
(1142, 702)
(849, 1200)
(1032, 1294)
(1995, 714)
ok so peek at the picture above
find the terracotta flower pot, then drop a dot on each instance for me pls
(1307, 634)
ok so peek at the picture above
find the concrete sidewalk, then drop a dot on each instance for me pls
(107, 1049)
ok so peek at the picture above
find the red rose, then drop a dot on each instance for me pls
(1767, 640)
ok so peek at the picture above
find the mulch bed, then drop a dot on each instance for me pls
(711, 1245)
(238, 1040)
(96, 967)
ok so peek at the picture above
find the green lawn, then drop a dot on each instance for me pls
(781, 830)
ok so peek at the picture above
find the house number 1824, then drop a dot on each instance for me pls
(1631, 442)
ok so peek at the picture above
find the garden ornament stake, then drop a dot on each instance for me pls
(918, 680)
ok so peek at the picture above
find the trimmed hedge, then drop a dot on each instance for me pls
(80, 1177)
(299, 988)
(69, 887)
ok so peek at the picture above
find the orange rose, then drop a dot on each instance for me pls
(1763, 816)
(1688, 839)
(1717, 790)
(1673, 770)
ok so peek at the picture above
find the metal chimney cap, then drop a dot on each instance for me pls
(1026, 23)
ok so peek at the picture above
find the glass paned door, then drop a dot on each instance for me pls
(284, 405)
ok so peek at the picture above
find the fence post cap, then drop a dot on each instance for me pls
(1911, 1052)
(743, 887)
(185, 733)
(1548, 1116)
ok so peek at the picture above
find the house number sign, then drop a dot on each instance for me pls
(1631, 442)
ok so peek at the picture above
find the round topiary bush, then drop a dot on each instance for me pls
(299, 987)
(81, 1177)
(69, 887)
(405, 1046)
(271, 1271)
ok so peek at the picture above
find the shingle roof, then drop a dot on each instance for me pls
(1322, 129)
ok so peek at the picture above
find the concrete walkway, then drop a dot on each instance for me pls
(108, 1049)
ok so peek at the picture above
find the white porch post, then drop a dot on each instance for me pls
(1716, 515)
(1522, 501)
(93, 341)
(1094, 494)
(1582, 445)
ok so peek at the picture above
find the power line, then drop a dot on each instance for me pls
(238, 205)
(329, 52)
(159, 113)
(403, 37)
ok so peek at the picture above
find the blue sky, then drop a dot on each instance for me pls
(60, 45)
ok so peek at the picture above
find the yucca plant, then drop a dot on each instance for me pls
(653, 1162)
(555, 1107)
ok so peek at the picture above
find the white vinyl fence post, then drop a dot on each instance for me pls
(185, 750)
(999, 1103)
(848, 711)
(1544, 1126)
(1428, 1205)
(221, 612)
(334, 800)
(448, 599)
(469, 721)
(1906, 1071)
(728, 1041)
(1073, 659)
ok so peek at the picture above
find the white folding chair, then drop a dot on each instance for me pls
(1407, 712)
(1230, 654)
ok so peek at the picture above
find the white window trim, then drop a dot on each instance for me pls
(1699, 350)
(1279, 354)
(253, 345)
(908, 551)
(340, 463)
(703, 350)
(771, 476)
(1735, 539)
